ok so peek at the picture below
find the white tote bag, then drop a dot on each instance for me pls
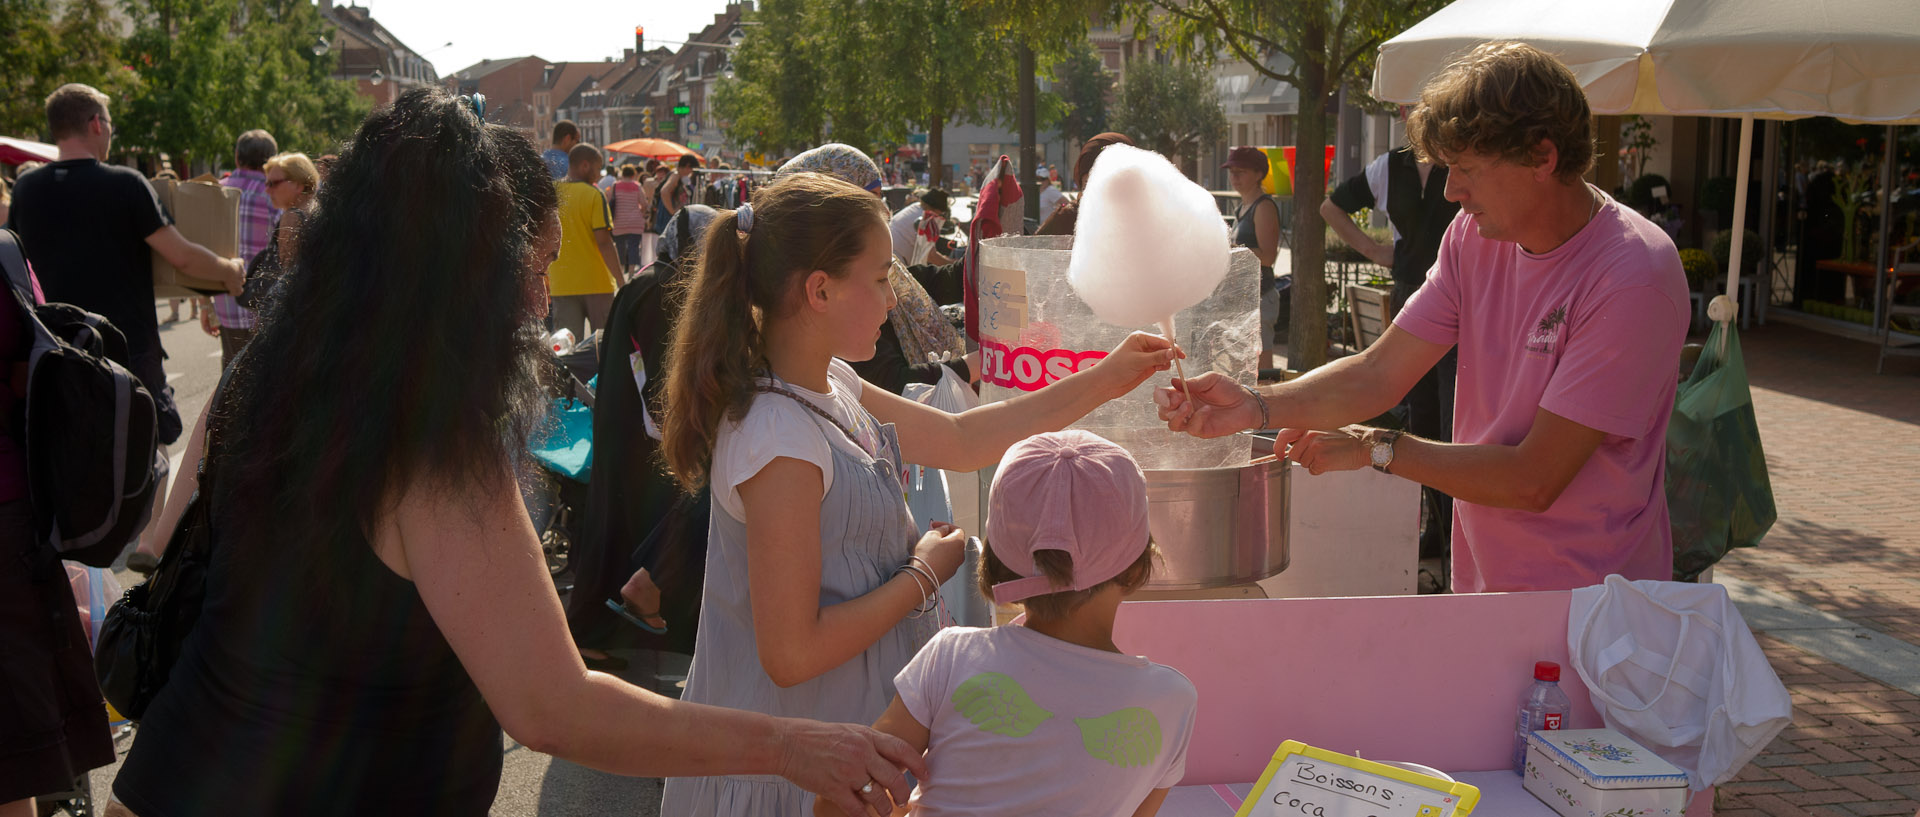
(1673, 666)
(945, 496)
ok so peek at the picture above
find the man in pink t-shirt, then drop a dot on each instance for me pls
(1569, 311)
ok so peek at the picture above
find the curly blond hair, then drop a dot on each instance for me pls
(1500, 100)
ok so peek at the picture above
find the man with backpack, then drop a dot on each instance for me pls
(90, 230)
(52, 727)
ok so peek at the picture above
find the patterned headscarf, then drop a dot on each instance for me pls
(696, 217)
(925, 333)
(844, 162)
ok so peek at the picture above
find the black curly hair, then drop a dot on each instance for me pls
(403, 344)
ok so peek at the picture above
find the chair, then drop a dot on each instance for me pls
(1370, 311)
(1888, 348)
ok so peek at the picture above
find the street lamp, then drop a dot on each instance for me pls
(378, 76)
(321, 46)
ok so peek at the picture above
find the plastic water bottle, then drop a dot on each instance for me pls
(561, 342)
(1545, 708)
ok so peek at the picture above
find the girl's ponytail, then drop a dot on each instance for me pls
(716, 343)
(739, 280)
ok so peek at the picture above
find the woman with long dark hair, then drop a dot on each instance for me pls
(377, 605)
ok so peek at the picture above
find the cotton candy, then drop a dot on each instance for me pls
(1149, 242)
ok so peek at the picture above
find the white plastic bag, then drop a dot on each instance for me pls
(1673, 666)
(945, 496)
(94, 590)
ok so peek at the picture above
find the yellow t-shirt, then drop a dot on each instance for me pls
(580, 269)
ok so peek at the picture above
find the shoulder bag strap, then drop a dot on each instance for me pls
(14, 260)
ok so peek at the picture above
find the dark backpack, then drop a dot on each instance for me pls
(91, 429)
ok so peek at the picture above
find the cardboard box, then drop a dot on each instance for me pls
(1602, 773)
(206, 214)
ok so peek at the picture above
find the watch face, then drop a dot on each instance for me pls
(1382, 454)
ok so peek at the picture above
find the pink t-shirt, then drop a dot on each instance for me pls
(1590, 332)
(1024, 723)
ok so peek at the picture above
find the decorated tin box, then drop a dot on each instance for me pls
(1600, 773)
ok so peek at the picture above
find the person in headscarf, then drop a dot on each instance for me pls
(684, 230)
(918, 343)
(642, 549)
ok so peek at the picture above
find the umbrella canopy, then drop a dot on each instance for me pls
(20, 151)
(1772, 59)
(665, 150)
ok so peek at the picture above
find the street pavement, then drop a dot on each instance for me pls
(1833, 593)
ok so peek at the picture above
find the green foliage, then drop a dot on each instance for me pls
(1083, 83)
(1699, 266)
(1640, 195)
(1169, 107)
(864, 72)
(1723, 249)
(1330, 43)
(230, 66)
(1636, 134)
(39, 53)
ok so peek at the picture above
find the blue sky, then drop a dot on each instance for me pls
(563, 30)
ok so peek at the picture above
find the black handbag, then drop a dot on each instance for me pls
(144, 631)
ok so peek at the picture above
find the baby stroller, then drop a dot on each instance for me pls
(555, 488)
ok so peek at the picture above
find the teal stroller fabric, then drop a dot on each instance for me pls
(1718, 494)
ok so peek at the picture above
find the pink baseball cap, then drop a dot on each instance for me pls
(1070, 491)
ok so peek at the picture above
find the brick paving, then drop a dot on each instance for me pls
(1843, 452)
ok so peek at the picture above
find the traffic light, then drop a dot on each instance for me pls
(639, 39)
(646, 120)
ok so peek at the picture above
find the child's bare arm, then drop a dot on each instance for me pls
(898, 722)
(1151, 805)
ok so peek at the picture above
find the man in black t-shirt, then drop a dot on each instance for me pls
(89, 230)
(1413, 195)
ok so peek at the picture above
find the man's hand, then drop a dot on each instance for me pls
(1220, 406)
(1347, 449)
(234, 274)
(208, 323)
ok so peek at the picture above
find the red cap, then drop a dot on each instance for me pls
(1546, 671)
(1248, 158)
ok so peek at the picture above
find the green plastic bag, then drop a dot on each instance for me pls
(1718, 494)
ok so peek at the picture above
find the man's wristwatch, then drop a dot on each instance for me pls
(1381, 451)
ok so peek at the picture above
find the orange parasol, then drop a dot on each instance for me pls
(665, 150)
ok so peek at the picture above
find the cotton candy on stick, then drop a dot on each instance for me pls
(1148, 243)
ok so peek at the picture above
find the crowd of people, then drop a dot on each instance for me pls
(384, 349)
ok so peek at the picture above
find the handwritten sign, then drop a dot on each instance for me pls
(1303, 781)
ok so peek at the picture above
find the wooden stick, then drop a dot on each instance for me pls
(1167, 327)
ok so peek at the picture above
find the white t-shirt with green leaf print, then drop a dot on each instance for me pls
(1024, 723)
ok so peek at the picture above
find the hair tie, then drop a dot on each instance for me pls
(478, 102)
(744, 218)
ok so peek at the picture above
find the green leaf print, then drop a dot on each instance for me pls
(996, 703)
(1129, 737)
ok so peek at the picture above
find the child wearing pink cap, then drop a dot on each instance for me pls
(1046, 716)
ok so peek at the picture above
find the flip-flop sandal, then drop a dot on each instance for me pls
(620, 609)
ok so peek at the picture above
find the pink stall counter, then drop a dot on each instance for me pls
(1434, 680)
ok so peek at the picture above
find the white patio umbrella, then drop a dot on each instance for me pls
(1858, 60)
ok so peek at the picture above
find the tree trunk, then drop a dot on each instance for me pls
(1307, 325)
(936, 149)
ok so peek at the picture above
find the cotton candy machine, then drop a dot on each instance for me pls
(1219, 517)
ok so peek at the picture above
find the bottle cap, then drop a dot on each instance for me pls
(1546, 671)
